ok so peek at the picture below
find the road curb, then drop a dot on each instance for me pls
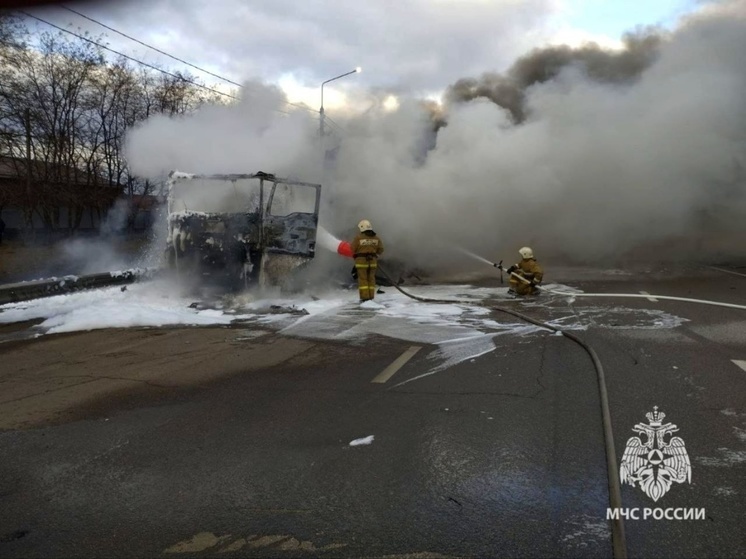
(27, 290)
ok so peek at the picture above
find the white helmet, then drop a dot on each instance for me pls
(364, 226)
(526, 252)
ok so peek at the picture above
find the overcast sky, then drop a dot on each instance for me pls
(642, 149)
(419, 46)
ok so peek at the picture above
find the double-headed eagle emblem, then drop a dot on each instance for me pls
(655, 464)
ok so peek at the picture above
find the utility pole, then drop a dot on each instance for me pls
(321, 110)
(27, 123)
(28, 210)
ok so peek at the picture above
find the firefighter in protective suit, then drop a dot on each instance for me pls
(529, 269)
(366, 248)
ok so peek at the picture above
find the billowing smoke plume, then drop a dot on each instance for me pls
(580, 153)
(542, 65)
(259, 133)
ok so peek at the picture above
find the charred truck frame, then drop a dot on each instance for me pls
(238, 230)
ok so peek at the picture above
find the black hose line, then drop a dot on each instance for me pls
(618, 540)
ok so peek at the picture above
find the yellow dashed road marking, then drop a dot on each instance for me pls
(400, 361)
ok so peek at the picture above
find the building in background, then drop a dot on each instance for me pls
(61, 200)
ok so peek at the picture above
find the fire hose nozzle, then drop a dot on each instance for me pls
(345, 249)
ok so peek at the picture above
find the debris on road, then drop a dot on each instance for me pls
(363, 441)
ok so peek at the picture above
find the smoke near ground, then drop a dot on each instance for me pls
(582, 153)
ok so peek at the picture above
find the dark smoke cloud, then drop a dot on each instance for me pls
(543, 65)
(583, 154)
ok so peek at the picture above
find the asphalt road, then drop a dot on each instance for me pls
(240, 445)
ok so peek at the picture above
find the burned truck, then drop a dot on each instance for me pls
(235, 231)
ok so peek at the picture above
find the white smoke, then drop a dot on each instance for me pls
(258, 133)
(596, 168)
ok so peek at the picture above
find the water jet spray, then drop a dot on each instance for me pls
(330, 242)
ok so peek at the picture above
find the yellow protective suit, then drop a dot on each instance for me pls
(529, 269)
(366, 248)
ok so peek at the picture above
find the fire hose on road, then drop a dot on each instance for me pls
(54, 286)
(619, 544)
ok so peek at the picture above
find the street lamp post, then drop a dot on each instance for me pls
(321, 110)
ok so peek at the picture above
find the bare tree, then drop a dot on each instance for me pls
(64, 115)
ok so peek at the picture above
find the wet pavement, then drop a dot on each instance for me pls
(500, 454)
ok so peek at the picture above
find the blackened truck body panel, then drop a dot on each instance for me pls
(225, 226)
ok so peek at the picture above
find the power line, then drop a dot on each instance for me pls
(150, 46)
(329, 119)
(197, 84)
(169, 55)
(151, 66)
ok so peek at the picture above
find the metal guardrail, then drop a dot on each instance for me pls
(27, 290)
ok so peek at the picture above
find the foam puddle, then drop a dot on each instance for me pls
(138, 306)
(460, 330)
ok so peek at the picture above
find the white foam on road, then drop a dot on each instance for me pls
(453, 352)
(139, 305)
(463, 329)
(726, 459)
(363, 441)
(456, 326)
(739, 363)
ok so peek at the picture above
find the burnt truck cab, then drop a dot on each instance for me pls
(242, 229)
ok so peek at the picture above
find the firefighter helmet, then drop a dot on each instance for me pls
(526, 252)
(364, 226)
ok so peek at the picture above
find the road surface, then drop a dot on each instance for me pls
(235, 440)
